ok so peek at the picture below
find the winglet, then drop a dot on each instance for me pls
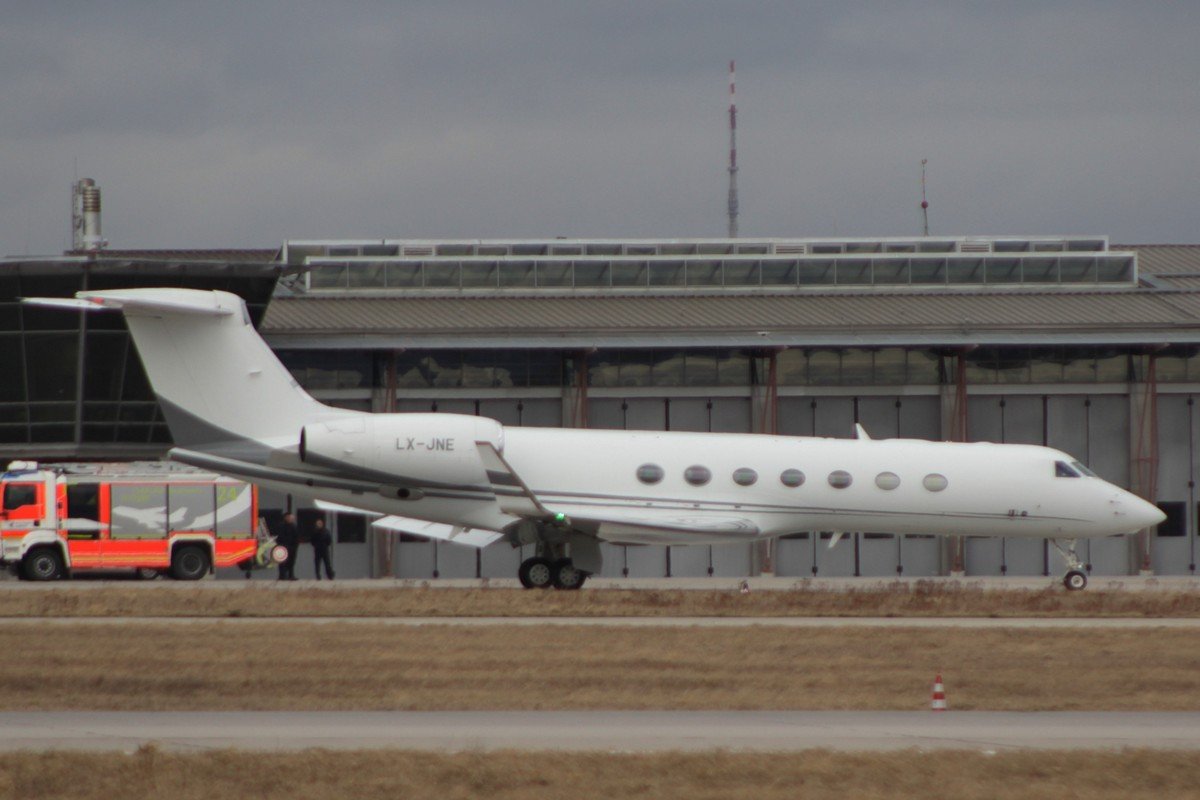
(862, 432)
(511, 492)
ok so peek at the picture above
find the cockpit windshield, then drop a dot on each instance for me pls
(1083, 468)
(1064, 470)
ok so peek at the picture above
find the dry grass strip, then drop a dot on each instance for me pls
(271, 666)
(817, 775)
(915, 599)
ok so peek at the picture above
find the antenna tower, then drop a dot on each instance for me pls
(733, 197)
(924, 202)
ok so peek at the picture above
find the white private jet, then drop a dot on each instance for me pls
(233, 408)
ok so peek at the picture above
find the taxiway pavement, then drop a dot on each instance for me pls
(1009, 623)
(614, 731)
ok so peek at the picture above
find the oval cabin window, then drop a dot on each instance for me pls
(650, 473)
(840, 479)
(935, 482)
(791, 477)
(745, 476)
(697, 475)
(887, 480)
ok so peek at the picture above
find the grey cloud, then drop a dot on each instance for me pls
(242, 124)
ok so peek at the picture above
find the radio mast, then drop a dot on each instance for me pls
(733, 197)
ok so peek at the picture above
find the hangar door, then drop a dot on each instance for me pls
(1173, 544)
(871, 553)
(1094, 429)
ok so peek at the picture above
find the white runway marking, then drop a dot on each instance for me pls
(614, 731)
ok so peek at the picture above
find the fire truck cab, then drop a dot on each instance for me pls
(156, 517)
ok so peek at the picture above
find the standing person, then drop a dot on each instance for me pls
(289, 537)
(322, 543)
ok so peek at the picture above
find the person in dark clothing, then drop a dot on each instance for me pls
(322, 543)
(289, 537)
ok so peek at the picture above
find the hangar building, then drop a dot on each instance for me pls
(1067, 341)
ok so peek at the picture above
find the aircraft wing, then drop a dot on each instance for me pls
(614, 524)
(647, 526)
(472, 537)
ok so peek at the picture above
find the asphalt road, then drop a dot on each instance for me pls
(1128, 583)
(1009, 623)
(615, 731)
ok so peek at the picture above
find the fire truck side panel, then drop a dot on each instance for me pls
(98, 521)
(79, 522)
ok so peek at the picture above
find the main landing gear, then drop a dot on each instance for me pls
(1076, 578)
(541, 572)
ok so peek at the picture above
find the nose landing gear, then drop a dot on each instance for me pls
(1076, 578)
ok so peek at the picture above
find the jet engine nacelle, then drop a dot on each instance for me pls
(404, 449)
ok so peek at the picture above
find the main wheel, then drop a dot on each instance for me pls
(190, 563)
(566, 576)
(42, 564)
(1075, 580)
(536, 573)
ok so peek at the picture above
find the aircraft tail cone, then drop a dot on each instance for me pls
(939, 695)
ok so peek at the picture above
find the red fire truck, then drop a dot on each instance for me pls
(155, 517)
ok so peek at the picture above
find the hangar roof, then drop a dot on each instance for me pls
(1164, 308)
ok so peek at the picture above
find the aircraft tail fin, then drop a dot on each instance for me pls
(221, 388)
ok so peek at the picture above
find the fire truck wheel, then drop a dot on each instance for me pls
(42, 564)
(190, 563)
(146, 573)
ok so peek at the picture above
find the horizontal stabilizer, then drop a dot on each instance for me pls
(178, 302)
(472, 537)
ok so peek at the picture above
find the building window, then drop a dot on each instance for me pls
(351, 528)
(887, 480)
(697, 475)
(1176, 522)
(840, 479)
(791, 477)
(650, 473)
(935, 482)
(745, 476)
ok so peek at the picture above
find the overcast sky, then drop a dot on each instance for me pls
(245, 124)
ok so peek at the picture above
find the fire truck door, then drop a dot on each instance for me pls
(24, 506)
(81, 521)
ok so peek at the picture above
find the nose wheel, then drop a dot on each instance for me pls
(1076, 578)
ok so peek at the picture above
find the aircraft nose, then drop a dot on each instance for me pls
(1133, 513)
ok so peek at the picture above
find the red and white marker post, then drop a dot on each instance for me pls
(939, 695)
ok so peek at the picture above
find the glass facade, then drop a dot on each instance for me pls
(408, 265)
(73, 381)
(732, 271)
